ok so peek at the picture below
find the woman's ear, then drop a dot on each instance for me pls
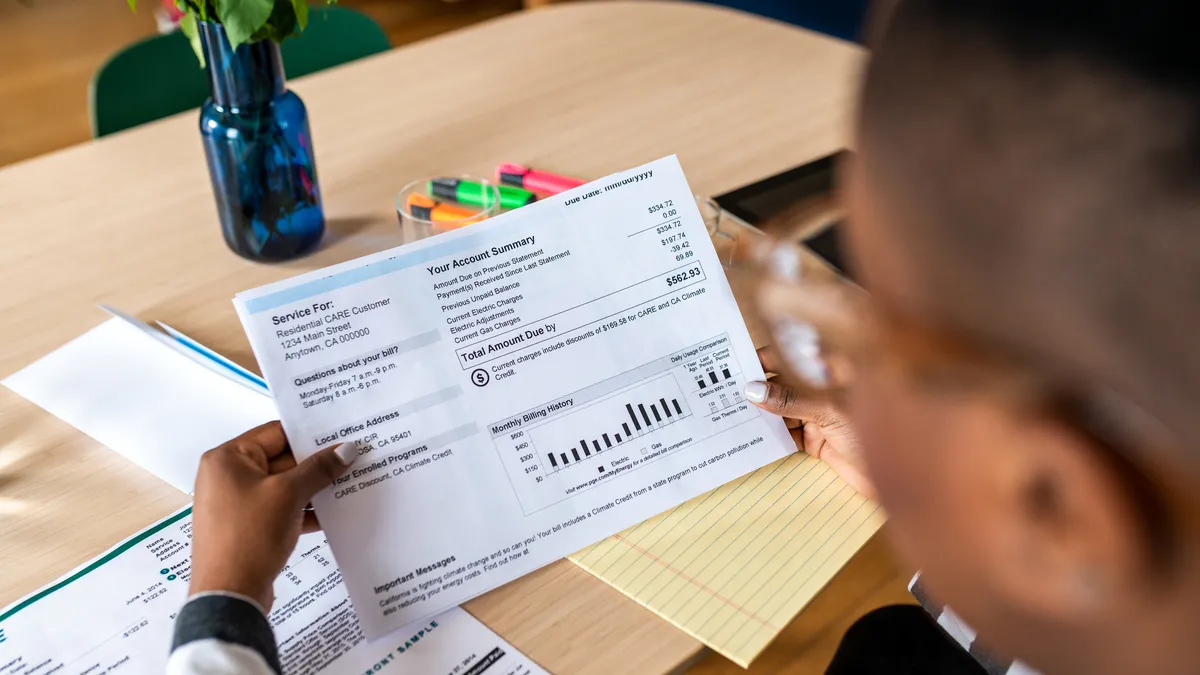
(1075, 545)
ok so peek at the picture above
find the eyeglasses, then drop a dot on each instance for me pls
(824, 329)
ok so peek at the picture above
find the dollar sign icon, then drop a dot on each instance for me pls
(480, 377)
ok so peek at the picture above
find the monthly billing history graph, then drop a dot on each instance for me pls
(633, 414)
(575, 442)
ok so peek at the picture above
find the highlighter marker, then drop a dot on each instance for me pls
(534, 180)
(476, 193)
(434, 211)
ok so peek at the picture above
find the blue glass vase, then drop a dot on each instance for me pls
(260, 152)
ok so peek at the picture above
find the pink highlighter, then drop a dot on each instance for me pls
(534, 180)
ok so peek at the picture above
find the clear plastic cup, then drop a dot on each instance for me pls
(425, 214)
(723, 240)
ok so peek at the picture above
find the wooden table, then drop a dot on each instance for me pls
(582, 89)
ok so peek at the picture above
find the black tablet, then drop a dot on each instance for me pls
(758, 202)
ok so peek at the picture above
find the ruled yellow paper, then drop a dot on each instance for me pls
(732, 567)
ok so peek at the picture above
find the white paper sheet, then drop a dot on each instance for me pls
(116, 614)
(519, 388)
(138, 397)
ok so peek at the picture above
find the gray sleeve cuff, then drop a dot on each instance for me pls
(230, 619)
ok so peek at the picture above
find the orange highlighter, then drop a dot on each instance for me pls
(425, 208)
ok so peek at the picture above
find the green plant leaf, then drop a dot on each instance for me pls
(284, 21)
(281, 25)
(243, 18)
(187, 26)
(300, 7)
(191, 6)
(132, 5)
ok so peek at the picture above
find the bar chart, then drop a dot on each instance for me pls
(613, 427)
(713, 378)
(623, 418)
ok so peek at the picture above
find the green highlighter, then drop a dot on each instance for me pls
(477, 194)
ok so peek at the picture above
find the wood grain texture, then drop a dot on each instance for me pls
(48, 52)
(129, 220)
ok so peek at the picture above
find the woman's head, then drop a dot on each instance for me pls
(1028, 180)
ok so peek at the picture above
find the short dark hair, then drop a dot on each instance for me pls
(1043, 160)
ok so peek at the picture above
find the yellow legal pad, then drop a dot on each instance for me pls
(732, 567)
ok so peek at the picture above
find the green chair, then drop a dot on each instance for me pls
(159, 76)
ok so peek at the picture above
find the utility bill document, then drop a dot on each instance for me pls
(519, 389)
(116, 614)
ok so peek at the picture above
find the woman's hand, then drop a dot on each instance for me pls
(818, 428)
(249, 510)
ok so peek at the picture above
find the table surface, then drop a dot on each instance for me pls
(582, 89)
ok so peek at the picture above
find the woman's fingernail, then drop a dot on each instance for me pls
(756, 392)
(347, 453)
